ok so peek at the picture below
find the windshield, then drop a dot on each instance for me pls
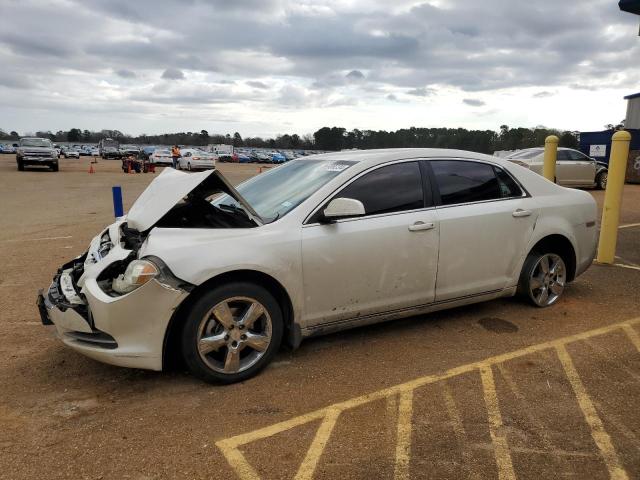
(275, 193)
(35, 142)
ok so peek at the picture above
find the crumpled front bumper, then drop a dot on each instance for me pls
(127, 331)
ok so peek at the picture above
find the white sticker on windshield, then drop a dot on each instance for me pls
(336, 167)
(286, 204)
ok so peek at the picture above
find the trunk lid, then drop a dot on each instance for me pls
(171, 186)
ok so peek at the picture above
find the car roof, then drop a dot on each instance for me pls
(378, 156)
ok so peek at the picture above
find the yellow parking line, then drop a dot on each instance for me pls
(498, 438)
(235, 458)
(633, 335)
(239, 463)
(599, 434)
(310, 461)
(403, 439)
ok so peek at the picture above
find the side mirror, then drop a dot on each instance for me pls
(343, 208)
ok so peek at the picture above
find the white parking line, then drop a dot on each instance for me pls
(630, 225)
(38, 239)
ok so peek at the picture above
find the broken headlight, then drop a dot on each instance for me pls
(137, 274)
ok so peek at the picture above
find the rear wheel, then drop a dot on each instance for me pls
(232, 332)
(543, 278)
(601, 180)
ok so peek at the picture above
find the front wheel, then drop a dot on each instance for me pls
(543, 278)
(20, 166)
(601, 180)
(54, 167)
(232, 332)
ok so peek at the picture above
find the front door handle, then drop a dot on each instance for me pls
(419, 226)
(521, 213)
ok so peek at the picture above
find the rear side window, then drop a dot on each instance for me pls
(464, 181)
(508, 187)
(394, 188)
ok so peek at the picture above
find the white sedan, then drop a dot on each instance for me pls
(320, 244)
(161, 156)
(573, 168)
(194, 159)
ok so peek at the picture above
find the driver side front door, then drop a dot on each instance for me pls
(381, 262)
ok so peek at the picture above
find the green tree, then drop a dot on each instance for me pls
(74, 135)
(237, 140)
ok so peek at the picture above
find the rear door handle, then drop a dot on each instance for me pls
(419, 226)
(521, 213)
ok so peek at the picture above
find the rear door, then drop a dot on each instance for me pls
(486, 220)
(565, 171)
(383, 261)
(584, 168)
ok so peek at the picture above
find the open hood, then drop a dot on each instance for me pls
(171, 186)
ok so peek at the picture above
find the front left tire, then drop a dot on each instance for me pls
(232, 332)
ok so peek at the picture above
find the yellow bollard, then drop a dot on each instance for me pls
(613, 196)
(550, 157)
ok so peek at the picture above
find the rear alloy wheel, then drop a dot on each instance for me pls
(232, 333)
(543, 278)
(601, 180)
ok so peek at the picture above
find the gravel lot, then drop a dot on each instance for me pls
(473, 392)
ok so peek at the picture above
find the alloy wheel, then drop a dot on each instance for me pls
(234, 335)
(547, 280)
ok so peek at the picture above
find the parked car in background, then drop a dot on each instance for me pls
(71, 152)
(129, 150)
(317, 245)
(244, 158)
(161, 156)
(7, 149)
(110, 153)
(145, 152)
(573, 168)
(277, 157)
(94, 151)
(106, 147)
(194, 159)
(84, 151)
(36, 151)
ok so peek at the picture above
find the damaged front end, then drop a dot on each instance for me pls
(114, 306)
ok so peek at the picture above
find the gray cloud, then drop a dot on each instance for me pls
(422, 92)
(125, 73)
(316, 51)
(543, 94)
(257, 84)
(473, 102)
(173, 74)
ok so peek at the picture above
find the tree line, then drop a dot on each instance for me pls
(334, 138)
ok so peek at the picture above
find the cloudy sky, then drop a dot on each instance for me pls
(263, 67)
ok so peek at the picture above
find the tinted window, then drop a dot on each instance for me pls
(462, 182)
(508, 186)
(563, 155)
(388, 189)
(574, 155)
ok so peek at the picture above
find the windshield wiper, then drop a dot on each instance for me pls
(233, 208)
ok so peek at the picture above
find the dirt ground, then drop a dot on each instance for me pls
(491, 390)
